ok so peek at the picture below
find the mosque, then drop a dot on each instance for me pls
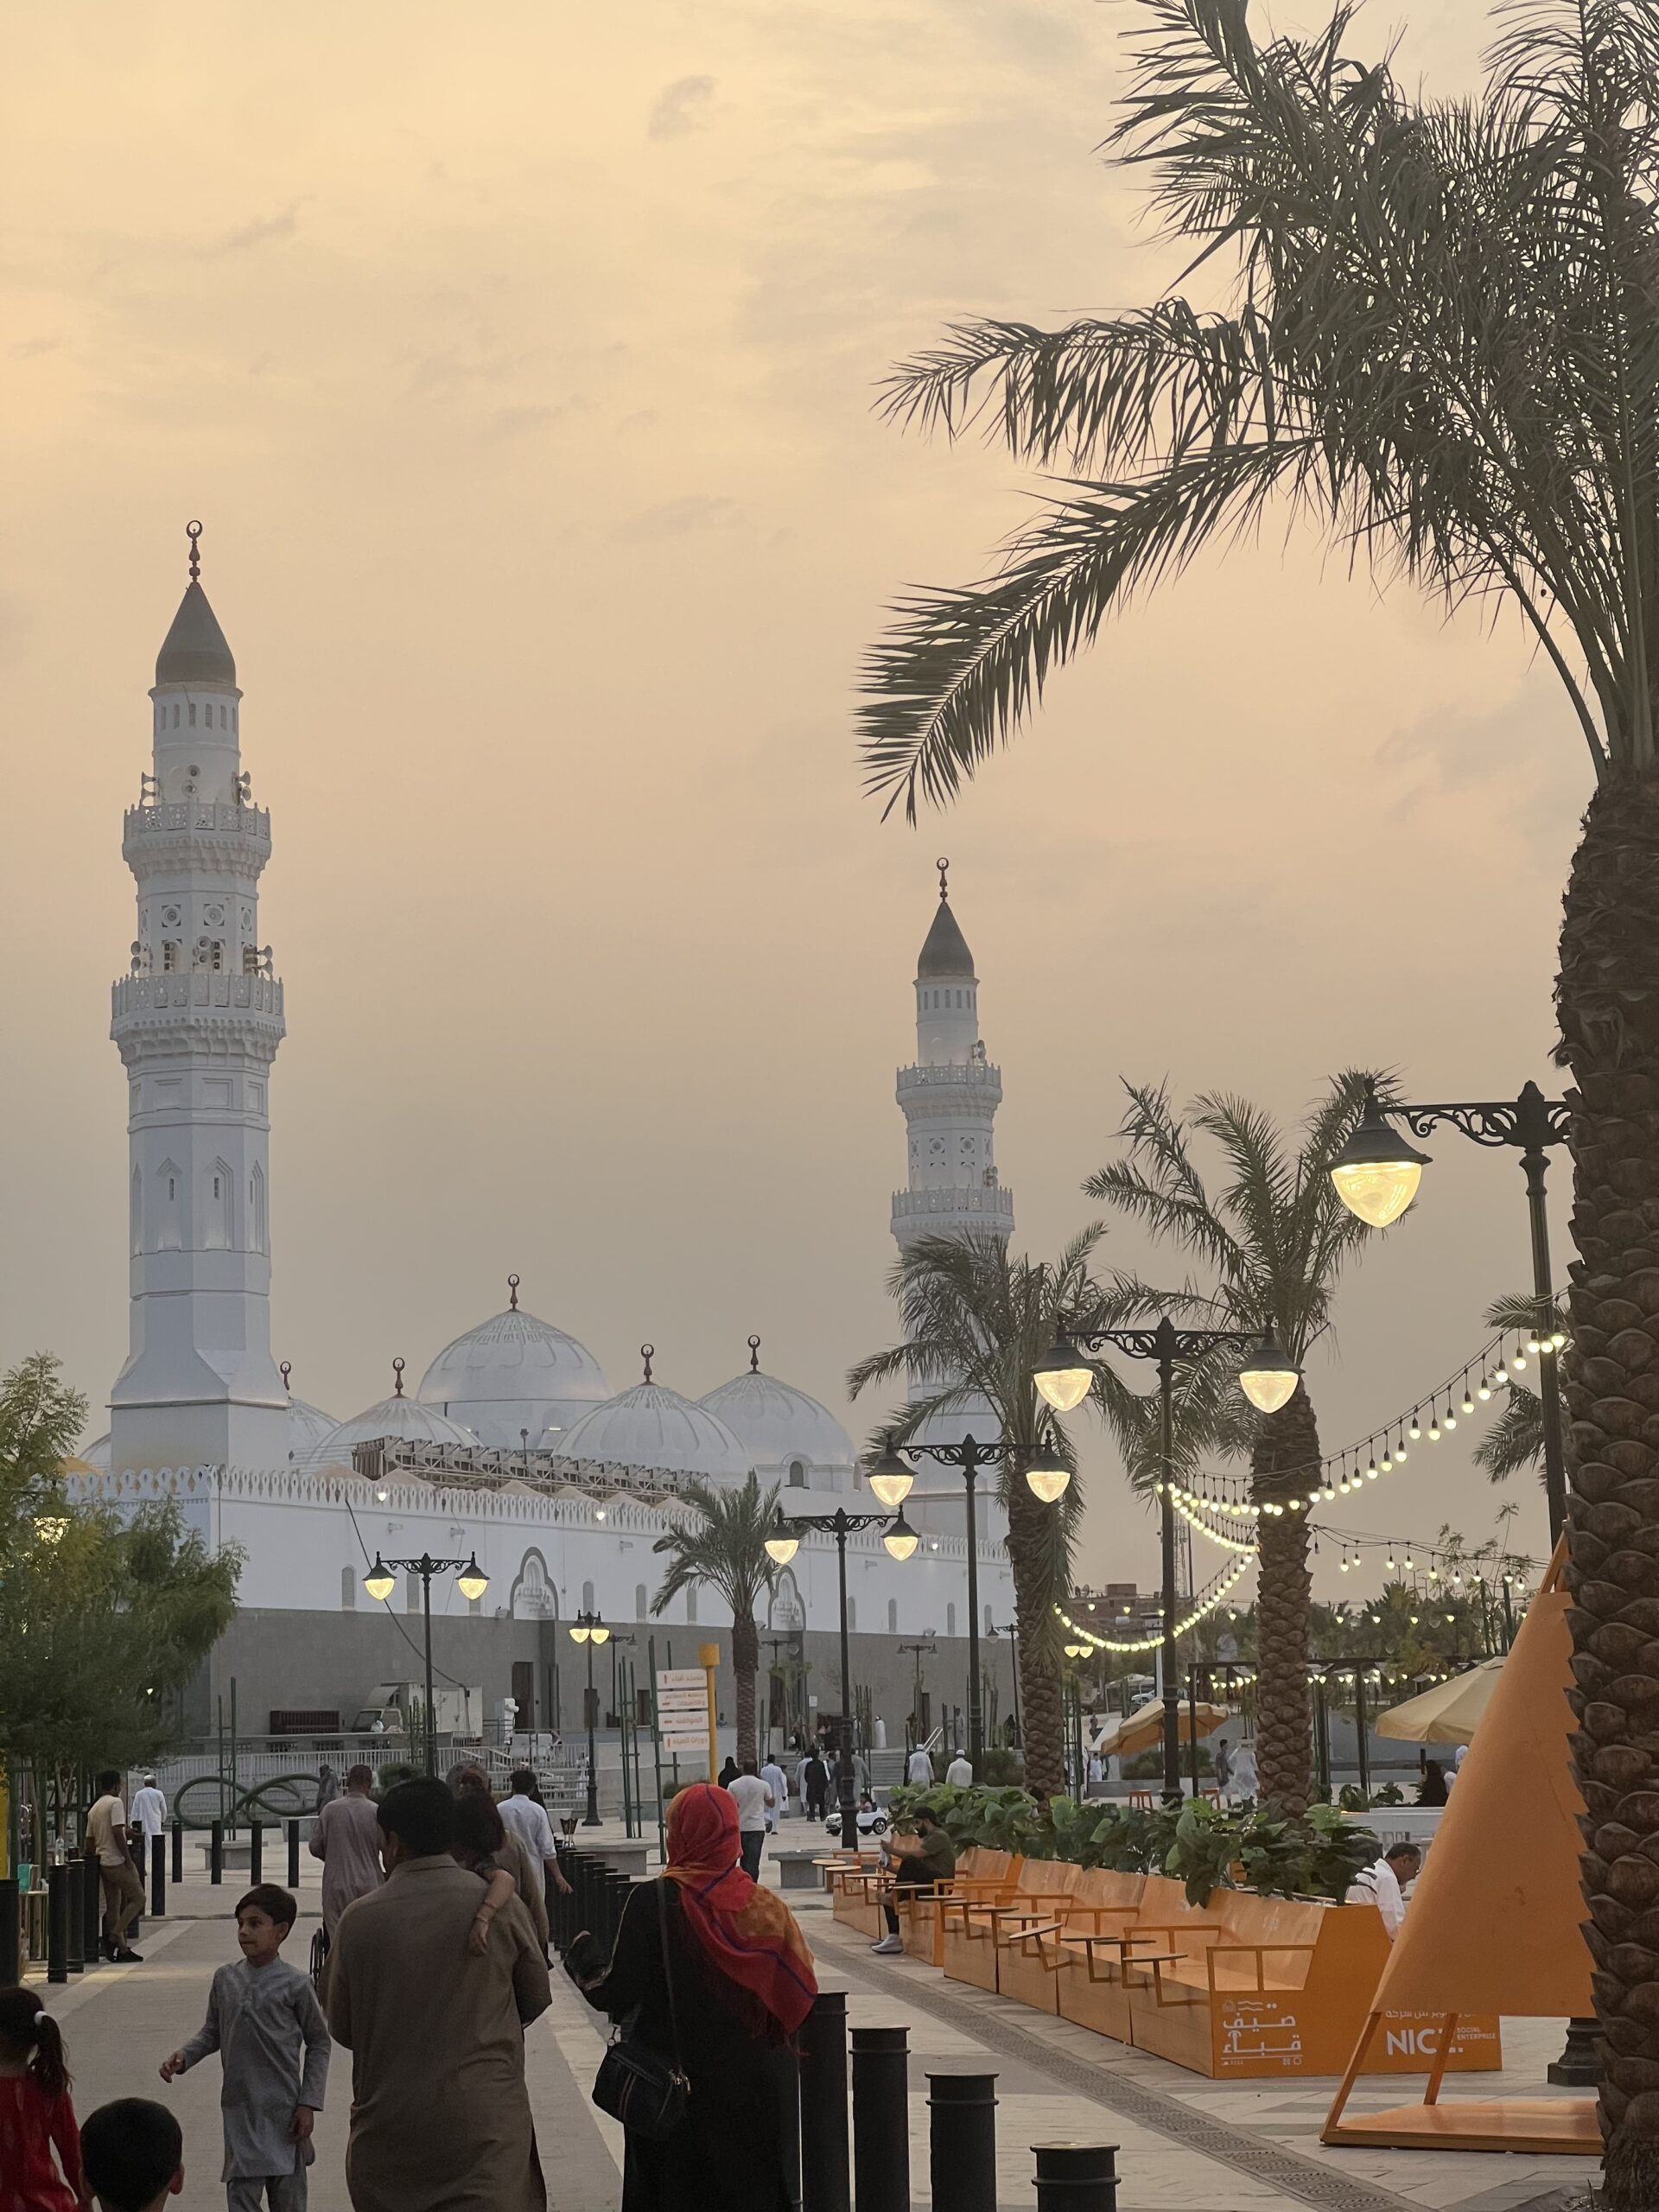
(514, 1445)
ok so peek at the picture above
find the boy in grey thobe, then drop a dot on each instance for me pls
(259, 2019)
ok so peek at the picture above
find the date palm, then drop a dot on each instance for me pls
(1514, 1441)
(1271, 1240)
(1441, 348)
(721, 1546)
(975, 1322)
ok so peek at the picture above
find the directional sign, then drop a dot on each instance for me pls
(681, 1678)
(678, 1743)
(682, 1704)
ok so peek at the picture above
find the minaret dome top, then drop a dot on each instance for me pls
(945, 952)
(194, 651)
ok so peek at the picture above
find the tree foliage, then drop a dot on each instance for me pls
(722, 1547)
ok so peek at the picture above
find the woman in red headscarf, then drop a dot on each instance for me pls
(742, 1983)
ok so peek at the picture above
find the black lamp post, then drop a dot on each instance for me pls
(916, 1693)
(589, 1628)
(1012, 1631)
(782, 1545)
(470, 1580)
(1376, 1174)
(1269, 1381)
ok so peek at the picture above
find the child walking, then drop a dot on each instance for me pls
(35, 2113)
(264, 2021)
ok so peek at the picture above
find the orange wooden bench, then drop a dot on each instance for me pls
(981, 1877)
(969, 1949)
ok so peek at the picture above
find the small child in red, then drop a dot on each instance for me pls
(35, 2112)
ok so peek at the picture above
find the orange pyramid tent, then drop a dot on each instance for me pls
(1494, 1923)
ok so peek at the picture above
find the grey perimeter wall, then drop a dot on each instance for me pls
(330, 1662)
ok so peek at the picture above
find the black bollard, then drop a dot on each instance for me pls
(11, 1965)
(75, 1914)
(158, 1878)
(91, 1911)
(216, 1853)
(881, 2119)
(57, 1924)
(178, 1851)
(962, 2140)
(1076, 2177)
(824, 2175)
(256, 1851)
(293, 1854)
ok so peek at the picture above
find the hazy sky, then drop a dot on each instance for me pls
(519, 361)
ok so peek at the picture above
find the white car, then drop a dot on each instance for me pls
(872, 1821)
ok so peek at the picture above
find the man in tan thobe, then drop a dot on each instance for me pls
(439, 2114)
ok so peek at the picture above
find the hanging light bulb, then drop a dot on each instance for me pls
(1415, 1430)
(1408, 1562)
(1390, 1562)
(1385, 1463)
(1399, 1449)
(1533, 1345)
(1434, 1427)
(1370, 1471)
(1269, 1376)
(1377, 1171)
(1468, 1402)
(1450, 1420)
(900, 1539)
(1558, 1340)
(1518, 1359)
(783, 1543)
(1486, 1389)
(1047, 1477)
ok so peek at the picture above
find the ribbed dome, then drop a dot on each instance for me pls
(775, 1423)
(511, 1373)
(403, 1418)
(193, 650)
(652, 1427)
(97, 1453)
(944, 951)
(308, 1430)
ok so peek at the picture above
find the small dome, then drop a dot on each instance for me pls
(776, 1423)
(514, 1372)
(97, 1453)
(652, 1426)
(404, 1420)
(944, 950)
(308, 1430)
(193, 650)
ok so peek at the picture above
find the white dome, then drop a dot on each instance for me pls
(652, 1426)
(308, 1430)
(511, 1373)
(97, 1453)
(776, 1423)
(403, 1418)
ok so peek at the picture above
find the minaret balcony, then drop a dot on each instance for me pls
(202, 989)
(983, 1077)
(178, 829)
(990, 1205)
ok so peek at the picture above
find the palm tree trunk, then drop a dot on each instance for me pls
(1608, 1000)
(746, 1664)
(1286, 1447)
(1041, 1704)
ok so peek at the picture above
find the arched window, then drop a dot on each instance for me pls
(135, 1225)
(176, 714)
(193, 714)
(796, 1475)
(232, 720)
(893, 1617)
(533, 1597)
(219, 1209)
(256, 1208)
(586, 1597)
(951, 1620)
(640, 1606)
(224, 719)
(691, 1601)
(851, 1612)
(168, 1236)
(348, 1589)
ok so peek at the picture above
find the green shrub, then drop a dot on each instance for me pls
(1148, 1766)
(999, 1769)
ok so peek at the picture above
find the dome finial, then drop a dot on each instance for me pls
(286, 1369)
(944, 866)
(512, 1293)
(193, 531)
(754, 1355)
(647, 1353)
(397, 1378)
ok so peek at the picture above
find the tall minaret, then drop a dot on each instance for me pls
(950, 1097)
(198, 1022)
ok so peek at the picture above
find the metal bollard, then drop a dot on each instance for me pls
(10, 1935)
(216, 1852)
(1076, 2177)
(178, 1851)
(824, 2176)
(881, 2119)
(962, 2140)
(74, 1915)
(256, 1851)
(293, 1854)
(57, 1924)
(91, 1912)
(158, 1878)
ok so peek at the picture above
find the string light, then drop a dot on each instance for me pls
(1217, 1596)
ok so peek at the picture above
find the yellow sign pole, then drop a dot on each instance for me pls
(708, 1659)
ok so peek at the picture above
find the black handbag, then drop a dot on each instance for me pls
(635, 2084)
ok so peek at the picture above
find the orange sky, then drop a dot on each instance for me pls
(519, 362)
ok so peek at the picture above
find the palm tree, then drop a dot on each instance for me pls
(975, 1323)
(1274, 1239)
(1516, 1439)
(724, 1549)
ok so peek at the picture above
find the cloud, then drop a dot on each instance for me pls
(674, 518)
(260, 231)
(680, 107)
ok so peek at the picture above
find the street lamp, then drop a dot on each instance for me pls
(1370, 1185)
(589, 1628)
(472, 1582)
(1012, 1631)
(782, 1545)
(1269, 1379)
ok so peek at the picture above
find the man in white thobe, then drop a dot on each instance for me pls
(1382, 1884)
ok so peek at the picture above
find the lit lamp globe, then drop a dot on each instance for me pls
(1269, 1376)
(1063, 1376)
(600, 1634)
(901, 1539)
(783, 1543)
(889, 1476)
(1047, 1477)
(378, 1582)
(578, 1632)
(1378, 1171)
(472, 1581)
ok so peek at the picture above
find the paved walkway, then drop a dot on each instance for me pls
(1183, 2141)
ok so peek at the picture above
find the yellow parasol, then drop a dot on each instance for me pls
(1448, 1712)
(1143, 1729)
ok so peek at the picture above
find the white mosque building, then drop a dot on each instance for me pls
(514, 1444)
